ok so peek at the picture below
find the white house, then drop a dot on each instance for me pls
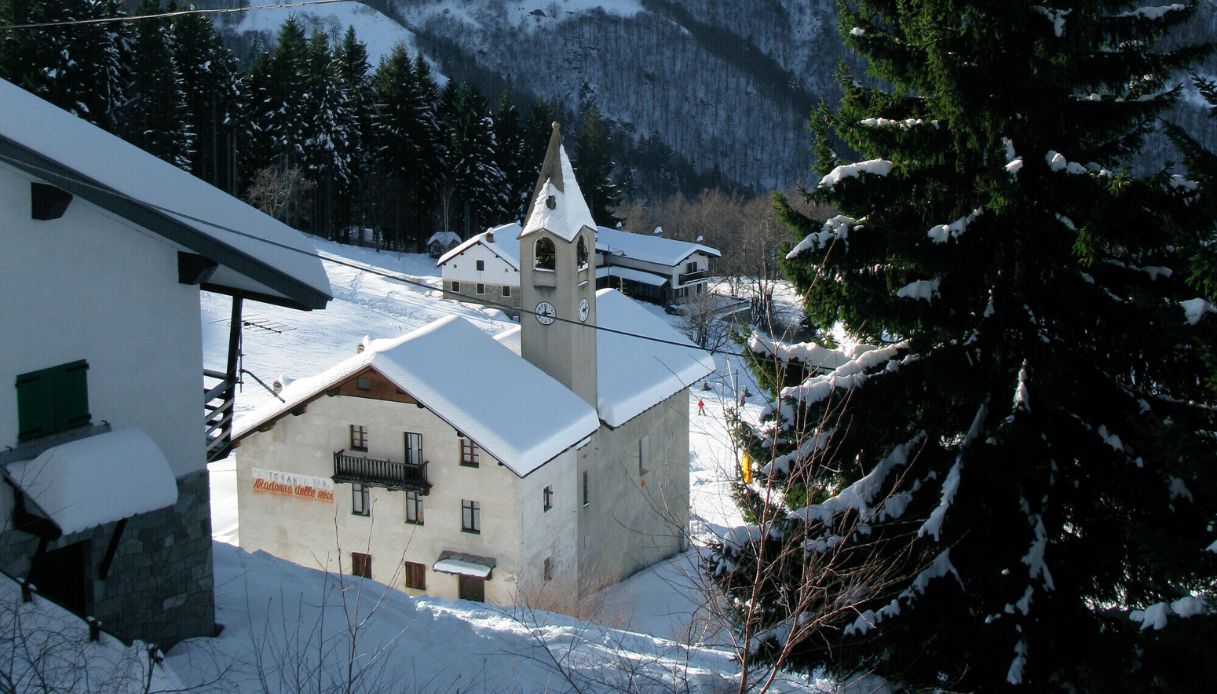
(486, 268)
(536, 466)
(103, 445)
(441, 242)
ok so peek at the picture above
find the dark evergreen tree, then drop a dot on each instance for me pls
(593, 162)
(259, 125)
(1015, 486)
(511, 156)
(351, 57)
(472, 175)
(327, 150)
(213, 89)
(154, 117)
(288, 89)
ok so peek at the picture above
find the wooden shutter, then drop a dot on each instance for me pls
(52, 400)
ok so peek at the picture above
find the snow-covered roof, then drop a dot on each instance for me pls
(257, 254)
(653, 249)
(96, 480)
(439, 365)
(506, 244)
(444, 238)
(557, 203)
(461, 567)
(634, 374)
(630, 273)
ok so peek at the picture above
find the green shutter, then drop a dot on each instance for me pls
(52, 400)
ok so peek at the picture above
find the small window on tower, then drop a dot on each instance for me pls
(544, 254)
(581, 254)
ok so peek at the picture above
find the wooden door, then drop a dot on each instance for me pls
(472, 588)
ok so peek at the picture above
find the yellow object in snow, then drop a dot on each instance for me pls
(745, 466)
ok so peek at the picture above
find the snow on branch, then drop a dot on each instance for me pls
(1153, 12)
(1057, 17)
(806, 447)
(875, 167)
(1015, 674)
(1194, 309)
(941, 566)
(933, 525)
(849, 375)
(906, 124)
(944, 232)
(1021, 397)
(1034, 559)
(860, 496)
(835, 228)
(924, 290)
(809, 353)
(1058, 162)
(1155, 616)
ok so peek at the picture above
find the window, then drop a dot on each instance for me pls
(481, 288)
(691, 267)
(469, 452)
(414, 448)
(506, 291)
(361, 564)
(581, 254)
(414, 508)
(52, 400)
(544, 251)
(456, 287)
(481, 265)
(359, 437)
(471, 516)
(361, 501)
(547, 569)
(416, 575)
(363, 383)
(547, 498)
(644, 455)
(587, 499)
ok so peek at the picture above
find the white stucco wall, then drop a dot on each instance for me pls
(90, 286)
(550, 534)
(631, 520)
(463, 268)
(314, 533)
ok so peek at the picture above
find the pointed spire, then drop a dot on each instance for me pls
(551, 169)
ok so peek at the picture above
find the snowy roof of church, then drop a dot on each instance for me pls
(506, 244)
(257, 254)
(653, 249)
(516, 412)
(444, 238)
(97, 480)
(633, 374)
(568, 212)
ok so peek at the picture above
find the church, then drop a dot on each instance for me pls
(534, 467)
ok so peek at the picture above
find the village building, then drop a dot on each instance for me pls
(441, 242)
(104, 438)
(535, 466)
(485, 268)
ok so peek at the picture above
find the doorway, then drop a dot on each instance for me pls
(472, 588)
(64, 576)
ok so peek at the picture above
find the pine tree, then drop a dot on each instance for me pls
(593, 163)
(154, 117)
(476, 182)
(1015, 485)
(351, 58)
(511, 156)
(213, 91)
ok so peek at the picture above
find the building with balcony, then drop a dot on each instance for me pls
(104, 436)
(485, 268)
(536, 466)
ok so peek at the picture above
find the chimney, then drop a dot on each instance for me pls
(489, 236)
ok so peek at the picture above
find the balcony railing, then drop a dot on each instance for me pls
(217, 415)
(688, 277)
(389, 474)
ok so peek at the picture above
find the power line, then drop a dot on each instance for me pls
(362, 267)
(165, 15)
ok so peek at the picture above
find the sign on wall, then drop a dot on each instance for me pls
(293, 485)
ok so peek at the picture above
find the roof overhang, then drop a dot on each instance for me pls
(460, 564)
(268, 283)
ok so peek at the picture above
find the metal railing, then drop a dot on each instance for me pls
(390, 474)
(217, 415)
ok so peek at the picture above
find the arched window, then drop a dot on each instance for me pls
(544, 254)
(581, 254)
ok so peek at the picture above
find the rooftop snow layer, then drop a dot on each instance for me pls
(569, 213)
(652, 249)
(506, 244)
(433, 364)
(444, 237)
(636, 374)
(100, 479)
(630, 273)
(255, 251)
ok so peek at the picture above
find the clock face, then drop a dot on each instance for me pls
(546, 313)
(585, 308)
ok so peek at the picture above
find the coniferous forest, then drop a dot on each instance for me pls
(308, 130)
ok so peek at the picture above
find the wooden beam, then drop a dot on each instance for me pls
(48, 202)
(194, 269)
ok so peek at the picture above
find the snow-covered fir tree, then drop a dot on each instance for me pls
(1009, 480)
(512, 158)
(351, 58)
(594, 164)
(472, 173)
(154, 116)
(213, 86)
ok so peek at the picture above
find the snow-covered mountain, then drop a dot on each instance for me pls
(727, 84)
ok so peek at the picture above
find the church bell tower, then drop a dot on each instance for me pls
(558, 277)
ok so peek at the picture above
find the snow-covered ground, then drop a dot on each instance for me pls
(653, 631)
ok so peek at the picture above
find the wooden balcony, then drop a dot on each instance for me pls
(389, 474)
(687, 277)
